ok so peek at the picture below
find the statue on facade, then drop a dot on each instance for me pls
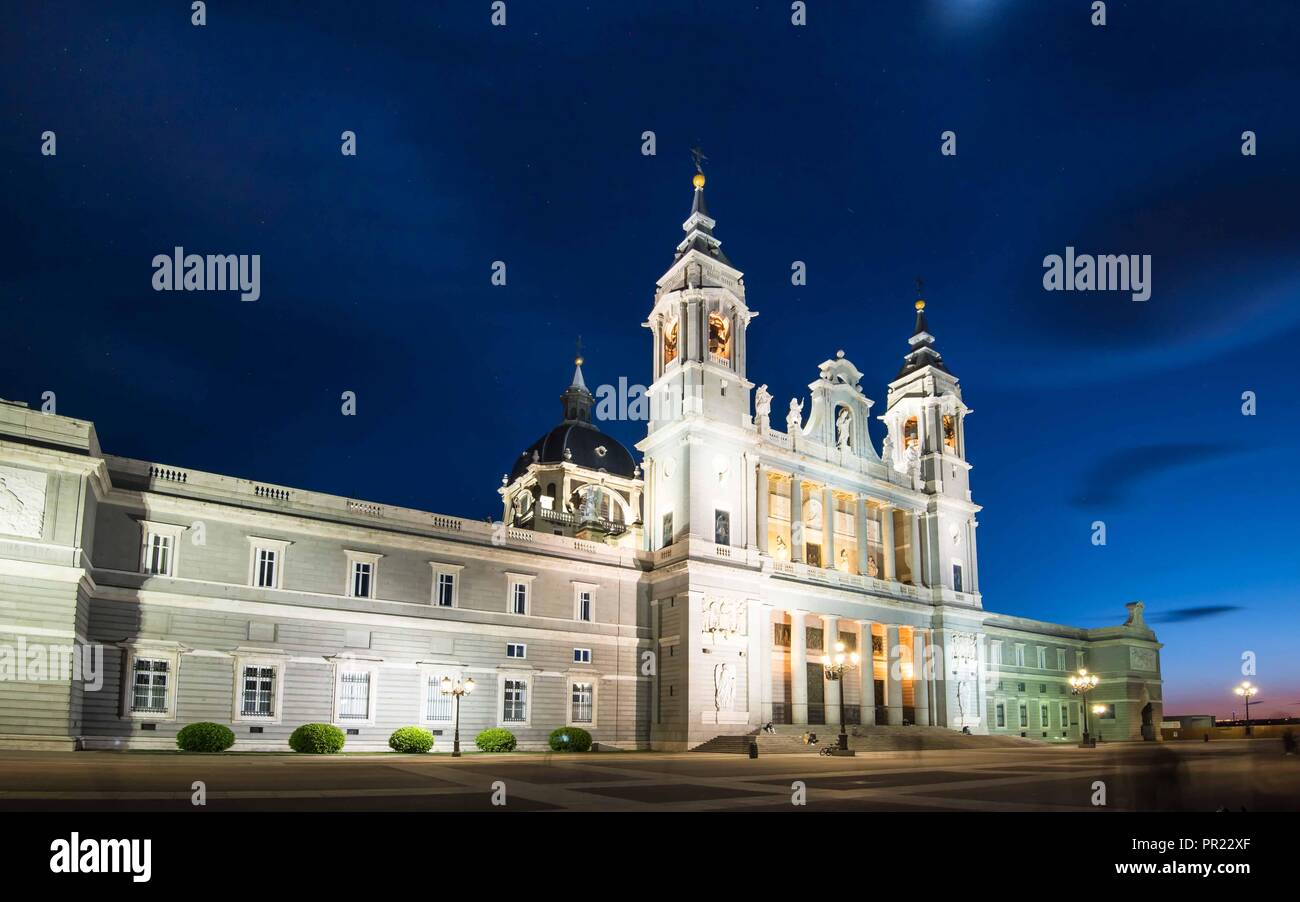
(914, 465)
(762, 407)
(794, 419)
(590, 504)
(1135, 618)
(724, 686)
(872, 569)
(842, 423)
(887, 451)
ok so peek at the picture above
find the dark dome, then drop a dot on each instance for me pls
(589, 447)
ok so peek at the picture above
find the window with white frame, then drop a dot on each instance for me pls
(149, 689)
(438, 707)
(1001, 714)
(1020, 655)
(160, 543)
(259, 687)
(257, 690)
(1078, 659)
(1044, 716)
(582, 656)
(1060, 659)
(1065, 716)
(956, 577)
(446, 584)
(1024, 715)
(363, 568)
(995, 652)
(514, 699)
(266, 562)
(520, 588)
(1042, 657)
(354, 694)
(516, 650)
(584, 605)
(583, 699)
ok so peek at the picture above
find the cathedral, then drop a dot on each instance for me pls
(703, 587)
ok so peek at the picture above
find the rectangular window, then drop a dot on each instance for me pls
(995, 651)
(362, 574)
(1024, 716)
(354, 696)
(1060, 659)
(519, 598)
(1042, 658)
(668, 528)
(1020, 656)
(515, 703)
(149, 685)
(722, 527)
(1043, 716)
(582, 656)
(258, 699)
(1065, 717)
(516, 650)
(1002, 715)
(583, 697)
(956, 577)
(437, 706)
(1020, 687)
(157, 555)
(584, 605)
(446, 590)
(781, 635)
(265, 570)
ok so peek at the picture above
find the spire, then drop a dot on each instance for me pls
(577, 398)
(923, 353)
(699, 225)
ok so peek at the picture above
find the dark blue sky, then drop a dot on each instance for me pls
(523, 144)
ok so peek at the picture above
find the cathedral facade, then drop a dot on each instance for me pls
(700, 590)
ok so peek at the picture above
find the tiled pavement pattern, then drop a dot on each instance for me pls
(1253, 775)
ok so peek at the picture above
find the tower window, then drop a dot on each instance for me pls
(670, 343)
(719, 337)
(909, 432)
(950, 431)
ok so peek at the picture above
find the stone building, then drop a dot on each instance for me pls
(658, 604)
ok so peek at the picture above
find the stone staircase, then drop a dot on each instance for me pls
(787, 740)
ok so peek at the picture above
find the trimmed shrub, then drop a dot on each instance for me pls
(410, 739)
(570, 739)
(205, 737)
(317, 739)
(496, 739)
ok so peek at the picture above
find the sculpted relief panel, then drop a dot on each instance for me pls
(22, 502)
(1141, 658)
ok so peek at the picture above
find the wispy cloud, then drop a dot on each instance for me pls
(1113, 480)
(1182, 615)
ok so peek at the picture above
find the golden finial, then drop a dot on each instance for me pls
(920, 304)
(698, 180)
(920, 286)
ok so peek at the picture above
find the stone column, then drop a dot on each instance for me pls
(894, 677)
(920, 678)
(796, 519)
(980, 657)
(798, 669)
(974, 558)
(830, 634)
(828, 528)
(764, 646)
(914, 559)
(887, 550)
(867, 673)
(753, 661)
(860, 524)
(760, 507)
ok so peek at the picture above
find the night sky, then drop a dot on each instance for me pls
(523, 144)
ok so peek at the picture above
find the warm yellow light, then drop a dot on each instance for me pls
(698, 180)
(1098, 709)
(826, 660)
(839, 646)
(446, 684)
(853, 658)
(469, 685)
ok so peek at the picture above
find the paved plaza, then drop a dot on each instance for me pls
(1253, 775)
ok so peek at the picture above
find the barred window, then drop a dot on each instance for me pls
(515, 703)
(583, 697)
(149, 686)
(438, 706)
(354, 696)
(259, 691)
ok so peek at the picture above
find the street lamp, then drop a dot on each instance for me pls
(1082, 683)
(834, 669)
(1247, 691)
(456, 689)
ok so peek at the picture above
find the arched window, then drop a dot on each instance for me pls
(909, 432)
(719, 336)
(950, 431)
(670, 343)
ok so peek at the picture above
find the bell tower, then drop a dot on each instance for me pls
(698, 325)
(925, 419)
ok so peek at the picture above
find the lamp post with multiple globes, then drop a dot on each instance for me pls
(835, 668)
(1081, 684)
(455, 688)
(1247, 691)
